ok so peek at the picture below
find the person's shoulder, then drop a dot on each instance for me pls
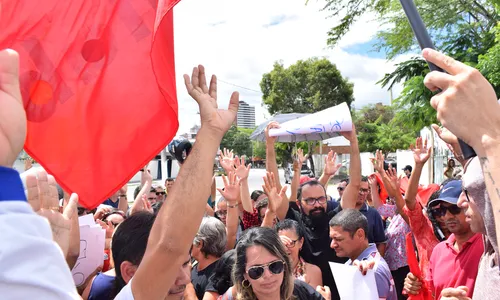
(302, 290)
(126, 292)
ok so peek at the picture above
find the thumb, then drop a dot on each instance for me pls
(71, 209)
(283, 190)
(234, 102)
(9, 69)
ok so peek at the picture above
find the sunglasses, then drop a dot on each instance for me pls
(364, 191)
(161, 193)
(275, 267)
(441, 211)
(312, 201)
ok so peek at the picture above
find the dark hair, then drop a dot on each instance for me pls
(114, 211)
(170, 179)
(312, 182)
(289, 224)
(222, 279)
(269, 239)
(129, 243)
(136, 191)
(261, 204)
(350, 220)
(346, 180)
(364, 178)
(256, 194)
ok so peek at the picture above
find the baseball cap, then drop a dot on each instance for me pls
(408, 167)
(449, 193)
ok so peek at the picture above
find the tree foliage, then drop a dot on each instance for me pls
(378, 129)
(465, 30)
(307, 86)
(237, 139)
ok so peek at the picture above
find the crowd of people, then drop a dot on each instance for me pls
(437, 241)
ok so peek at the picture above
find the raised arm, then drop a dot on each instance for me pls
(352, 190)
(242, 173)
(421, 154)
(297, 166)
(331, 167)
(177, 223)
(275, 200)
(231, 193)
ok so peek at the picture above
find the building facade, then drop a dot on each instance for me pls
(246, 116)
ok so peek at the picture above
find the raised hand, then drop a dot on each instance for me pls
(301, 157)
(271, 139)
(226, 160)
(378, 162)
(372, 181)
(269, 187)
(240, 169)
(421, 153)
(12, 114)
(467, 104)
(394, 182)
(350, 135)
(44, 199)
(217, 121)
(331, 166)
(445, 135)
(231, 190)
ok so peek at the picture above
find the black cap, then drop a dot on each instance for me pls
(408, 167)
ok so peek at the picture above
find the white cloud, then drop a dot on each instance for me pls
(240, 40)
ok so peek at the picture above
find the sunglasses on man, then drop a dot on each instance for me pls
(441, 211)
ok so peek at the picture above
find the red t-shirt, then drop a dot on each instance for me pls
(449, 268)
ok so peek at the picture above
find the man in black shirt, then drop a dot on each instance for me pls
(314, 216)
(208, 246)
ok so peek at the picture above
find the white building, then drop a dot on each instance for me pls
(246, 116)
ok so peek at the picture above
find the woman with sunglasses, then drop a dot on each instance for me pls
(292, 237)
(263, 270)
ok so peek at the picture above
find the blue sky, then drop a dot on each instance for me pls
(365, 49)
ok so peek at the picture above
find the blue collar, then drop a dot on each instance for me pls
(11, 187)
(370, 251)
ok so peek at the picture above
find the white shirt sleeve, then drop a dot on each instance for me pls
(32, 264)
(126, 292)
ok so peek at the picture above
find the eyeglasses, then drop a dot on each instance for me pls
(291, 244)
(221, 213)
(339, 188)
(311, 201)
(151, 198)
(466, 194)
(363, 191)
(441, 211)
(275, 267)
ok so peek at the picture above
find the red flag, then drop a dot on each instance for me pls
(98, 85)
(424, 293)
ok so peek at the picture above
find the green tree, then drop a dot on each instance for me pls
(238, 140)
(463, 29)
(378, 129)
(259, 149)
(307, 86)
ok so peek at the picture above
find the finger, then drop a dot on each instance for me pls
(102, 224)
(265, 189)
(213, 87)
(266, 182)
(44, 189)
(234, 103)
(53, 193)
(224, 179)
(10, 70)
(273, 179)
(195, 79)
(71, 211)
(202, 79)
(243, 160)
(283, 190)
(189, 87)
(249, 167)
(453, 292)
(437, 129)
(33, 192)
(445, 62)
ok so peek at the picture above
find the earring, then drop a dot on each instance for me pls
(245, 284)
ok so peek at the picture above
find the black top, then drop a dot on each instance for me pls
(304, 291)
(201, 280)
(316, 249)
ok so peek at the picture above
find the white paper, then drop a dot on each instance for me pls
(92, 241)
(352, 284)
(333, 119)
(86, 220)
